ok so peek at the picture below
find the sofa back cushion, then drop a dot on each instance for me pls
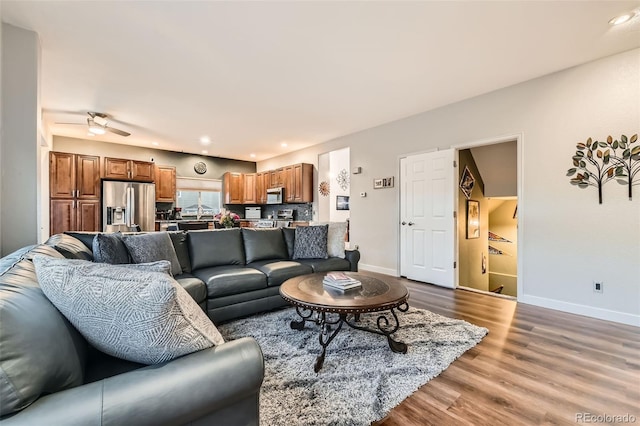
(180, 244)
(262, 244)
(215, 248)
(151, 247)
(40, 351)
(70, 247)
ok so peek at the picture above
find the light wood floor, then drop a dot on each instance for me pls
(536, 366)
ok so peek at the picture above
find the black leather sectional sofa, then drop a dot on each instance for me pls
(49, 374)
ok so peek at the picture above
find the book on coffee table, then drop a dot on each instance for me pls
(340, 281)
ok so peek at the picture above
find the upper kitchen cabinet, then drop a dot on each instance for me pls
(262, 183)
(233, 188)
(74, 176)
(250, 186)
(165, 184)
(122, 169)
(299, 183)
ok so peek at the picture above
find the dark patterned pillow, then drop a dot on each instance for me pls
(109, 248)
(310, 242)
(151, 247)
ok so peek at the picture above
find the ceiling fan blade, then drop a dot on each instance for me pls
(117, 131)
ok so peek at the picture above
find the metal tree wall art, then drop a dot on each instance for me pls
(596, 163)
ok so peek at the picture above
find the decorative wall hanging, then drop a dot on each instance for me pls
(596, 163)
(473, 219)
(323, 188)
(383, 183)
(343, 179)
(342, 202)
(495, 237)
(467, 182)
(484, 263)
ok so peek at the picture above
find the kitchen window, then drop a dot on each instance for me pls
(198, 198)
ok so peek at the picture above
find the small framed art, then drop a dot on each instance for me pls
(342, 202)
(473, 219)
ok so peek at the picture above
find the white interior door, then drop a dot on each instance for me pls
(427, 237)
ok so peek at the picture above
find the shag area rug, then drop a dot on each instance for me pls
(362, 379)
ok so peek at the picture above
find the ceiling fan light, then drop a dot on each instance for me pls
(97, 130)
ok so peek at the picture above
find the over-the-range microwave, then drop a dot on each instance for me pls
(275, 195)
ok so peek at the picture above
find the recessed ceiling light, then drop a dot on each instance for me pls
(205, 140)
(155, 143)
(621, 19)
(252, 155)
(204, 151)
(283, 144)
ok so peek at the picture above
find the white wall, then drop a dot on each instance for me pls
(568, 238)
(1, 130)
(338, 161)
(21, 139)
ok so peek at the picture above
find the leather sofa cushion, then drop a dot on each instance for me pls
(70, 247)
(85, 237)
(215, 248)
(279, 271)
(326, 265)
(289, 239)
(151, 247)
(40, 352)
(179, 240)
(194, 286)
(260, 244)
(226, 280)
(99, 300)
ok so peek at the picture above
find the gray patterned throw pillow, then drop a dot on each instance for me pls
(310, 242)
(137, 315)
(109, 248)
(335, 237)
(152, 247)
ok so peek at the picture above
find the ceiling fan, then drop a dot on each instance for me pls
(99, 124)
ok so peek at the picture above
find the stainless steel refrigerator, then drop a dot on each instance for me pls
(128, 206)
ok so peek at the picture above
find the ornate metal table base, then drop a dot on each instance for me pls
(328, 332)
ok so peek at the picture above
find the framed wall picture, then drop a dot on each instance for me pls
(342, 202)
(467, 181)
(473, 219)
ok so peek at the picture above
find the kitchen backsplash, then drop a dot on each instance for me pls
(301, 212)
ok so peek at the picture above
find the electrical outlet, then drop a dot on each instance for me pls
(356, 247)
(598, 287)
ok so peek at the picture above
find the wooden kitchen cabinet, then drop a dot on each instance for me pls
(262, 181)
(74, 215)
(299, 187)
(165, 184)
(74, 176)
(249, 192)
(74, 192)
(233, 188)
(123, 169)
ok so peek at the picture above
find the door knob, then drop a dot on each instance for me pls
(411, 223)
(404, 223)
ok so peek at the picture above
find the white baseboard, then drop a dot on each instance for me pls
(378, 269)
(589, 311)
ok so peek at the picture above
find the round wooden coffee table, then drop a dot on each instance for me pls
(331, 308)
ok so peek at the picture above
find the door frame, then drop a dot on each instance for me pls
(519, 138)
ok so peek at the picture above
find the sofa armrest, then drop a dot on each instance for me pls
(176, 392)
(353, 256)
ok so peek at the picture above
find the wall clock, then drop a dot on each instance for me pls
(200, 168)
